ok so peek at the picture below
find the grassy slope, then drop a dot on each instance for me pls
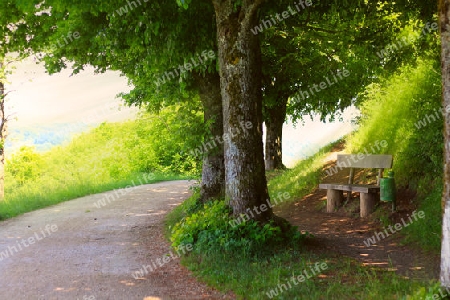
(108, 157)
(391, 112)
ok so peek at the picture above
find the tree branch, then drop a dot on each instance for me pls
(323, 29)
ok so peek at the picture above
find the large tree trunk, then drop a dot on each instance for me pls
(213, 169)
(240, 78)
(274, 134)
(444, 16)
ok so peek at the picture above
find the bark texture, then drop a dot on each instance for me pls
(334, 200)
(2, 140)
(213, 168)
(240, 76)
(444, 17)
(274, 136)
(367, 203)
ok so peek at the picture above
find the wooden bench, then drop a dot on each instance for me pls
(368, 193)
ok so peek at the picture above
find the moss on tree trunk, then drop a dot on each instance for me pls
(444, 15)
(213, 168)
(274, 136)
(240, 70)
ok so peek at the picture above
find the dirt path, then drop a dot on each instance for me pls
(77, 251)
(344, 233)
(339, 235)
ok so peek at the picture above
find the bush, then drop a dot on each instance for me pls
(25, 165)
(163, 142)
(209, 230)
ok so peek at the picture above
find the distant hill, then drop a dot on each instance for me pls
(43, 137)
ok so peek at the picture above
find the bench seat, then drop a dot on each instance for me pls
(368, 193)
(360, 188)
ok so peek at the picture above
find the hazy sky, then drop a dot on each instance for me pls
(37, 98)
(40, 100)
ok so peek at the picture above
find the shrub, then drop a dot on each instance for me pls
(209, 230)
(25, 165)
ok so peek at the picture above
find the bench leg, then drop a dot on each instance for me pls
(367, 203)
(334, 199)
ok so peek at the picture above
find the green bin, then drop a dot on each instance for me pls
(387, 188)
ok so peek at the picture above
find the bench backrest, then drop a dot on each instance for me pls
(364, 161)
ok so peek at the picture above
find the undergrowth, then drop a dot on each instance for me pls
(257, 262)
(405, 111)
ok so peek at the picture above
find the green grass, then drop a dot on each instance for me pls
(253, 276)
(181, 211)
(150, 149)
(427, 233)
(33, 197)
(302, 179)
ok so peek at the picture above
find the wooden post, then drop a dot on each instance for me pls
(334, 199)
(350, 181)
(367, 203)
(380, 175)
